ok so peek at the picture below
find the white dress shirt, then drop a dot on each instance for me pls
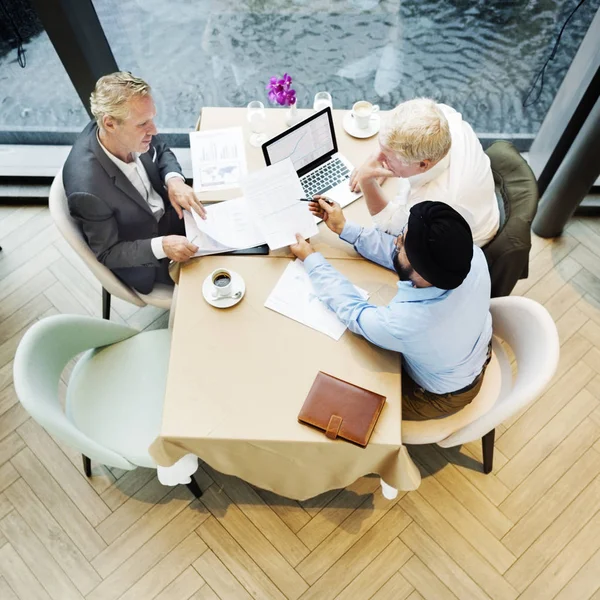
(137, 175)
(463, 179)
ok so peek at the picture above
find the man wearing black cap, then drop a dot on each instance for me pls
(440, 317)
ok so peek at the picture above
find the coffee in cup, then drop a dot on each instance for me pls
(221, 282)
(362, 113)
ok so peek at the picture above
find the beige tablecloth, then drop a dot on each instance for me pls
(238, 377)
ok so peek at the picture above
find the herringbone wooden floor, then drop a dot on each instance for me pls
(530, 530)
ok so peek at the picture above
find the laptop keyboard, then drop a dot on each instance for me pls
(327, 176)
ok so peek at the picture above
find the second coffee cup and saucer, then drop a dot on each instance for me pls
(223, 288)
(363, 120)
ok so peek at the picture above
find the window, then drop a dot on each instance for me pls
(480, 57)
(37, 102)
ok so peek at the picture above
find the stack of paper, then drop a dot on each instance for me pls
(228, 226)
(295, 297)
(270, 212)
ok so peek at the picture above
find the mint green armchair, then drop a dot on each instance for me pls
(115, 394)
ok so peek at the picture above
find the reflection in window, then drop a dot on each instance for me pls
(40, 96)
(478, 56)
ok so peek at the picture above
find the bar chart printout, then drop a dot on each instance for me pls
(218, 159)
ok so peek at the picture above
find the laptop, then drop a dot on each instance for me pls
(312, 146)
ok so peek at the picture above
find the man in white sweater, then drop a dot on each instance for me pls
(436, 156)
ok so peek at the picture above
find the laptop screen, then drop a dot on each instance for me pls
(306, 143)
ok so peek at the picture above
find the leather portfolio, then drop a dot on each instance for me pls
(341, 409)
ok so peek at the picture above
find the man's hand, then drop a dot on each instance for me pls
(302, 248)
(373, 169)
(330, 212)
(178, 248)
(182, 196)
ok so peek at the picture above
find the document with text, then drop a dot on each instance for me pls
(273, 195)
(206, 244)
(218, 159)
(295, 297)
(230, 223)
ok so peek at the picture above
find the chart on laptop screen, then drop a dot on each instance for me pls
(305, 144)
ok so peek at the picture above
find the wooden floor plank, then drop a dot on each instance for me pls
(19, 577)
(134, 567)
(447, 571)
(183, 586)
(425, 581)
(60, 467)
(214, 572)
(237, 561)
(455, 545)
(136, 536)
(349, 532)
(557, 429)
(396, 588)
(360, 555)
(58, 504)
(53, 537)
(552, 503)
(567, 563)
(542, 411)
(337, 511)
(370, 581)
(37, 558)
(168, 569)
(269, 523)
(558, 462)
(555, 537)
(253, 541)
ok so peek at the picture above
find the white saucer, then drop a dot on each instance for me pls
(237, 285)
(351, 128)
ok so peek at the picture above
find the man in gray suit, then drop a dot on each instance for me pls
(125, 187)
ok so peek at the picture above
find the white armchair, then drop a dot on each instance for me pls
(160, 296)
(529, 330)
(115, 393)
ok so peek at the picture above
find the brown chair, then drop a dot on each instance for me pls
(508, 253)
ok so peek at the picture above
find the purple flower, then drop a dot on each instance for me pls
(279, 90)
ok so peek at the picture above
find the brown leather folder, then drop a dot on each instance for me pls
(341, 409)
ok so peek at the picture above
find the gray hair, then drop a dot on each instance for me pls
(417, 130)
(112, 94)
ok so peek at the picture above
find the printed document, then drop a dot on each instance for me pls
(273, 195)
(206, 245)
(229, 223)
(218, 159)
(295, 297)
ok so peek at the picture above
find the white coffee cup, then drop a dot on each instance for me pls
(362, 113)
(221, 280)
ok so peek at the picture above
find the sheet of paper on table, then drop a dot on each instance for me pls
(218, 159)
(206, 245)
(230, 224)
(295, 297)
(273, 198)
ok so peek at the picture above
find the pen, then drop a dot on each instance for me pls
(313, 200)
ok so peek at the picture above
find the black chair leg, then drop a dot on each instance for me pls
(487, 445)
(194, 488)
(105, 305)
(87, 465)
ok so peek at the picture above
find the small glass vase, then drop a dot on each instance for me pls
(292, 117)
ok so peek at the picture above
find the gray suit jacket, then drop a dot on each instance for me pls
(116, 221)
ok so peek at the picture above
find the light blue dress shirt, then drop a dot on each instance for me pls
(443, 335)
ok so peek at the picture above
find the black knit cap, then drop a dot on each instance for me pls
(439, 244)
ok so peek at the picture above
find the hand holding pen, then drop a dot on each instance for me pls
(328, 210)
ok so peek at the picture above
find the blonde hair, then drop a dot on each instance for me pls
(417, 130)
(112, 94)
